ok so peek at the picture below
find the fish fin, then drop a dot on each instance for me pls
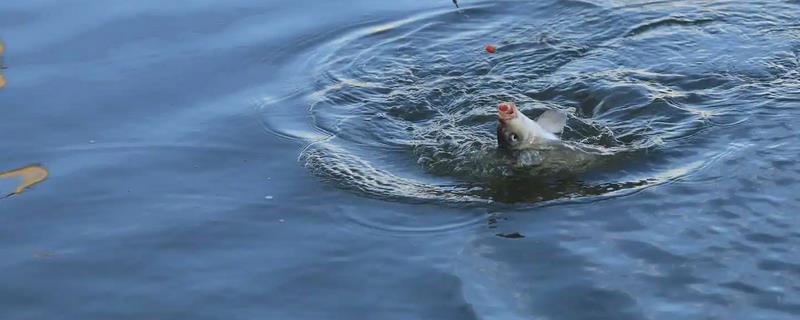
(552, 120)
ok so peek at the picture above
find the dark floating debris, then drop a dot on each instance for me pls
(515, 235)
(455, 2)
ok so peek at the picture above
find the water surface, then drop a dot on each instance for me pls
(323, 160)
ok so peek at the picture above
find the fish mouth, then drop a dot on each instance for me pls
(506, 111)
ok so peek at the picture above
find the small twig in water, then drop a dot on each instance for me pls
(455, 2)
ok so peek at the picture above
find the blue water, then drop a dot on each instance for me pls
(337, 160)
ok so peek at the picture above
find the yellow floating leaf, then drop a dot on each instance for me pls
(2, 79)
(30, 175)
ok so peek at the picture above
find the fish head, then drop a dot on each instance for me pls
(514, 131)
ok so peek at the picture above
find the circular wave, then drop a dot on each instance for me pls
(407, 108)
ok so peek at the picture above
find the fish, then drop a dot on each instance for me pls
(515, 131)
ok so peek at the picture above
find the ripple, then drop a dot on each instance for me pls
(668, 22)
(399, 224)
(404, 110)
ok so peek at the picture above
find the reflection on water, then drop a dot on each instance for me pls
(30, 175)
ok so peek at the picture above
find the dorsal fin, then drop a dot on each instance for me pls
(552, 120)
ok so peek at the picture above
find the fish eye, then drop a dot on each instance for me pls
(513, 137)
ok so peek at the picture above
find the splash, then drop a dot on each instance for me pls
(408, 107)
